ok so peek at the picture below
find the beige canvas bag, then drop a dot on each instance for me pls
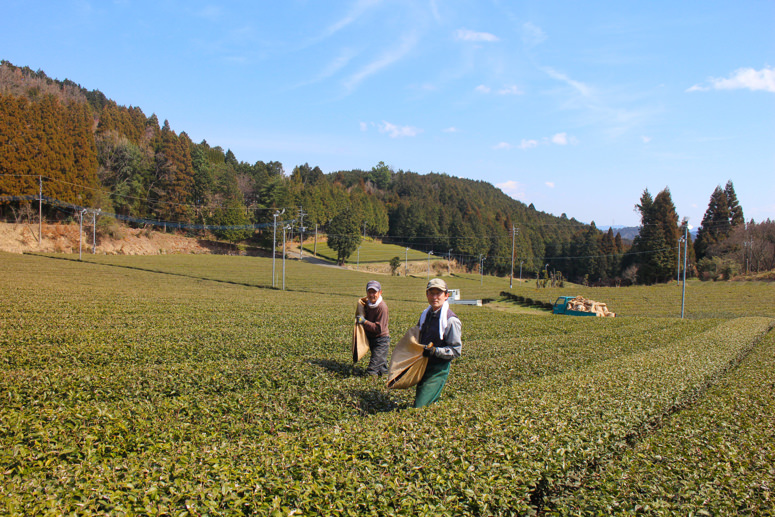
(407, 365)
(360, 341)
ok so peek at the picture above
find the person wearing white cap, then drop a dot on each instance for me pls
(440, 334)
(375, 321)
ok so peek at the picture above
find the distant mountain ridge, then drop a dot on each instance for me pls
(627, 233)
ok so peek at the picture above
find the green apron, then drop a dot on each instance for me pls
(432, 383)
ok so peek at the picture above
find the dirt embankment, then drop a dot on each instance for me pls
(65, 238)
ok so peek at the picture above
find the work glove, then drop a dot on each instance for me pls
(360, 319)
(427, 351)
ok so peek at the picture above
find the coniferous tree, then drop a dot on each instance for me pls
(650, 247)
(16, 158)
(736, 217)
(174, 175)
(380, 175)
(608, 254)
(666, 218)
(715, 223)
(231, 214)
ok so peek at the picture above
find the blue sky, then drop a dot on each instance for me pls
(576, 107)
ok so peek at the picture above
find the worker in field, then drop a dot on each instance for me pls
(440, 335)
(375, 320)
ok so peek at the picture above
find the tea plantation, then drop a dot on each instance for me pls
(186, 385)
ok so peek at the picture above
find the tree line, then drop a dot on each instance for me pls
(96, 153)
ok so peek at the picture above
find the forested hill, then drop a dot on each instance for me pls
(92, 152)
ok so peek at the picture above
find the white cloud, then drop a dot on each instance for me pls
(532, 35)
(531, 143)
(580, 87)
(469, 35)
(358, 9)
(512, 188)
(510, 90)
(395, 131)
(331, 68)
(549, 184)
(364, 126)
(742, 79)
(506, 90)
(389, 57)
(646, 139)
(435, 11)
(451, 129)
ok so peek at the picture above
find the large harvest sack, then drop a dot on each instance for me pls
(407, 365)
(581, 304)
(360, 341)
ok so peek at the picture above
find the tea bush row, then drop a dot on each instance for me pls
(702, 300)
(135, 392)
(180, 454)
(717, 458)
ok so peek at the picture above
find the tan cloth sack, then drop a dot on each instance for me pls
(407, 365)
(360, 341)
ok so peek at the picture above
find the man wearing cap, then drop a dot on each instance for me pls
(375, 323)
(440, 334)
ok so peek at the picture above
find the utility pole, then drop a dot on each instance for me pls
(514, 231)
(40, 208)
(429, 264)
(678, 268)
(80, 235)
(315, 246)
(481, 269)
(449, 262)
(406, 262)
(274, 241)
(285, 227)
(94, 215)
(301, 232)
(687, 227)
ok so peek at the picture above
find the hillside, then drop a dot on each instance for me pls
(83, 150)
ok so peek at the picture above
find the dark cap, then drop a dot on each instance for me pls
(373, 285)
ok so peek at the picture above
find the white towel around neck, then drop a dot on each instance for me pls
(443, 317)
(373, 305)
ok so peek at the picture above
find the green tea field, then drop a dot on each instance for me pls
(187, 385)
